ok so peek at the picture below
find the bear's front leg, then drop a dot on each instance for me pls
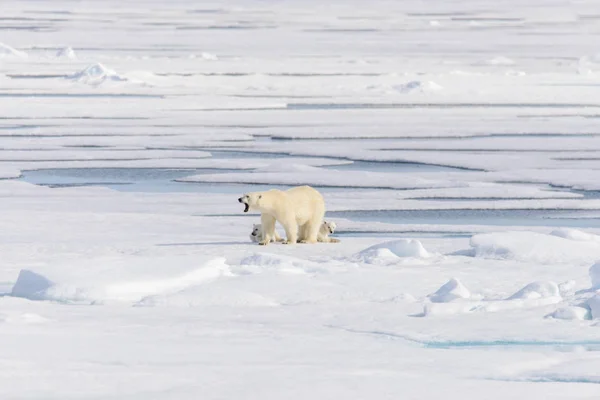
(268, 227)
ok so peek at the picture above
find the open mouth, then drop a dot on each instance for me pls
(246, 207)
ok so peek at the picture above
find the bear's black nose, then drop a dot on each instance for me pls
(240, 199)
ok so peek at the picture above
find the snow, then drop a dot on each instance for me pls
(457, 153)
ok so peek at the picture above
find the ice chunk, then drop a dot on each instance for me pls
(31, 285)
(209, 56)
(537, 290)
(500, 60)
(566, 287)
(417, 86)
(66, 52)
(7, 51)
(595, 275)
(388, 252)
(594, 305)
(450, 291)
(571, 313)
(95, 74)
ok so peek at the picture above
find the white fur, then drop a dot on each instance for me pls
(299, 210)
(257, 234)
(326, 229)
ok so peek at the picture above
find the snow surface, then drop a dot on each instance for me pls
(456, 145)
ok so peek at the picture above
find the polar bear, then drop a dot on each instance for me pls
(300, 210)
(326, 229)
(257, 234)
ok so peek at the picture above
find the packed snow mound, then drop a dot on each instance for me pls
(571, 313)
(34, 286)
(417, 87)
(7, 51)
(595, 275)
(66, 52)
(594, 305)
(390, 252)
(450, 291)
(96, 74)
(533, 247)
(537, 290)
(575, 234)
(132, 291)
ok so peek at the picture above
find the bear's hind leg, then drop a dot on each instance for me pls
(276, 236)
(302, 233)
(311, 232)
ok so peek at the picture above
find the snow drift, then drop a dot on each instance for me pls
(533, 247)
(391, 252)
(34, 286)
(537, 290)
(7, 51)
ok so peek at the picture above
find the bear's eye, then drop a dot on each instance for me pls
(260, 197)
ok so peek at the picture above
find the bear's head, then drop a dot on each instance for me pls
(329, 226)
(256, 228)
(250, 200)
